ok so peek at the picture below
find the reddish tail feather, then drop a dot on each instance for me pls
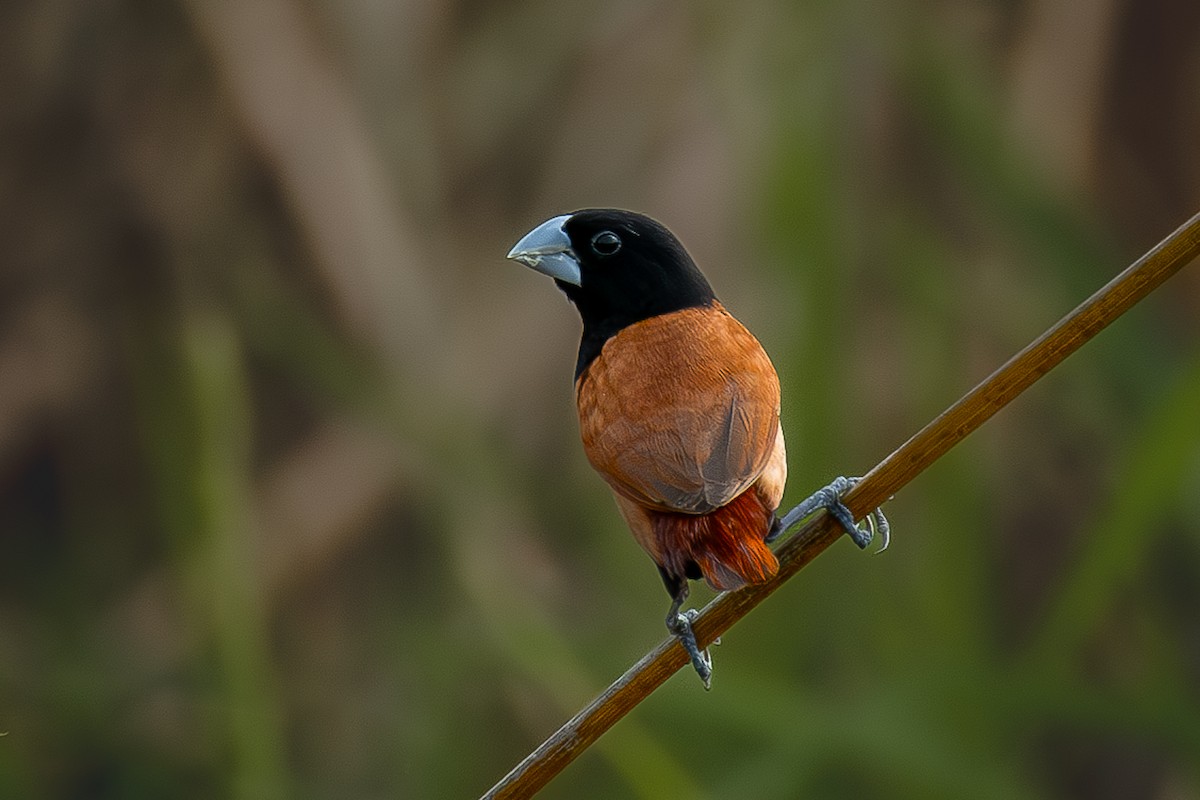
(726, 545)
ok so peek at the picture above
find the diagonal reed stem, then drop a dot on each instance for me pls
(886, 479)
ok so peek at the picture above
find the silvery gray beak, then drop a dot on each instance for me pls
(547, 249)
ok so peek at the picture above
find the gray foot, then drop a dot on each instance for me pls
(681, 626)
(830, 499)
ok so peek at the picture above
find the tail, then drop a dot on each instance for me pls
(725, 546)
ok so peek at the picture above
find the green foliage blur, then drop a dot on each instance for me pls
(292, 503)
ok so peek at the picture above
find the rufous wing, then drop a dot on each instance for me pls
(680, 412)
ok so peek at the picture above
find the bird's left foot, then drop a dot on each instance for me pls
(680, 624)
(830, 499)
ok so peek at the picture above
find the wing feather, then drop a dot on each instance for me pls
(680, 412)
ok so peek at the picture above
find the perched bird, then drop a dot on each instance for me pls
(678, 406)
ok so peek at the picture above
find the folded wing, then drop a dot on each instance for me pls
(680, 412)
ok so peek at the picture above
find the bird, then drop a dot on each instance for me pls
(679, 408)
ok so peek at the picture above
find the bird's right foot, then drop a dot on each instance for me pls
(830, 499)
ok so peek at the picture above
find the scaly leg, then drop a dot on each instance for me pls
(830, 499)
(679, 623)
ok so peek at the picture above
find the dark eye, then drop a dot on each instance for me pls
(606, 243)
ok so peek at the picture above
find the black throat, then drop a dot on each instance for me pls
(631, 268)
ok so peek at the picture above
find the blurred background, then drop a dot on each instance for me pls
(292, 503)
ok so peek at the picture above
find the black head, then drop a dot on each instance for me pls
(617, 267)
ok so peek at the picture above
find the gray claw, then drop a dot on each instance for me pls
(830, 498)
(681, 626)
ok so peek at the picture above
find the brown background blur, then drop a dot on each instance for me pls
(291, 497)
